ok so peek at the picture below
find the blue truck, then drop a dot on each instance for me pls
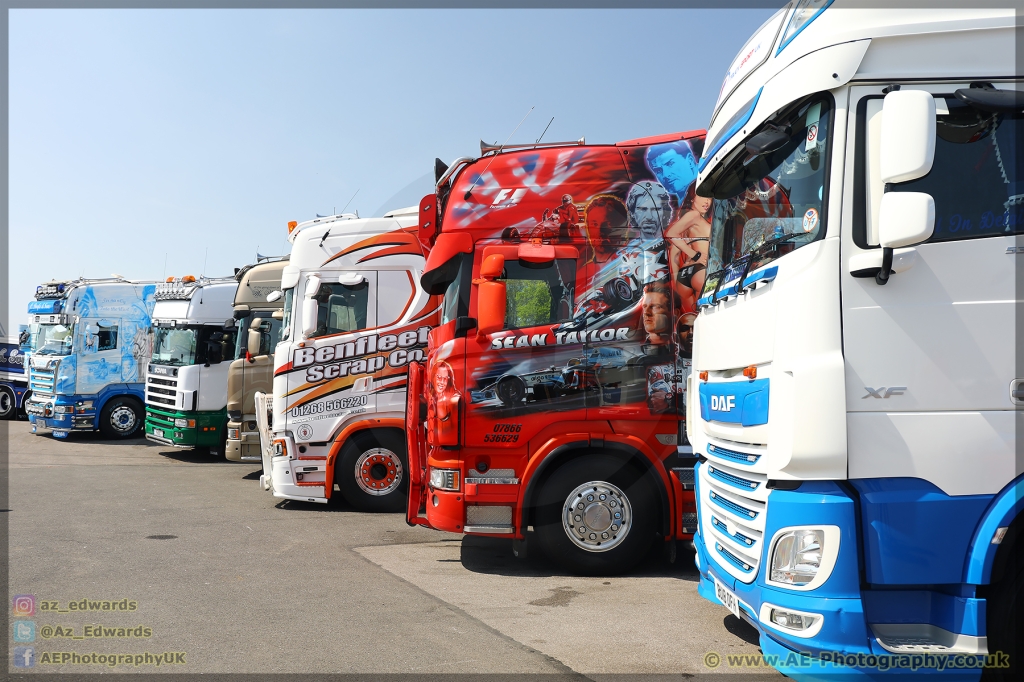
(13, 382)
(90, 341)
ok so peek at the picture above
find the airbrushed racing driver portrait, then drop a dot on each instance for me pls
(607, 226)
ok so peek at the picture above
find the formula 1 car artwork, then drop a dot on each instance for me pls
(590, 371)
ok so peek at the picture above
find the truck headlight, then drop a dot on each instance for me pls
(233, 434)
(445, 479)
(797, 556)
(63, 409)
(185, 423)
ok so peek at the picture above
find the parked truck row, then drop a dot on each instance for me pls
(784, 346)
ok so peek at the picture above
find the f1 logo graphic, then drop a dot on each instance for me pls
(723, 403)
(502, 197)
(883, 392)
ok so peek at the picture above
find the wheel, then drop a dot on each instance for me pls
(121, 418)
(618, 294)
(511, 390)
(1006, 623)
(595, 516)
(8, 403)
(371, 471)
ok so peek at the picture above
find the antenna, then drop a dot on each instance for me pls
(545, 130)
(469, 192)
(349, 202)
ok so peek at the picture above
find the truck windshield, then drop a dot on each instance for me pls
(175, 346)
(53, 339)
(770, 204)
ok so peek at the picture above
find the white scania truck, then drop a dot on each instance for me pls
(355, 316)
(193, 345)
(856, 367)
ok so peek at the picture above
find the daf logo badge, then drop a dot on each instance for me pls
(883, 392)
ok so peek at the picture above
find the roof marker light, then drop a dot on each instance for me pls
(188, 278)
(806, 11)
(292, 224)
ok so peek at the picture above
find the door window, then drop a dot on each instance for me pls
(342, 308)
(106, 337)
(538, 293)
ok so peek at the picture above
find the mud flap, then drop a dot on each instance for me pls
(266, 441)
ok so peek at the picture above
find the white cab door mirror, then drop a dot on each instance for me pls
(312, 286)
(905, 219)
(252, 342)
(309, 314)
(908, 135)
(274, 296)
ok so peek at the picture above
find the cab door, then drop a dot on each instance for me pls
(930, 355)
(518, 378)
(335, 379)
(99, 352)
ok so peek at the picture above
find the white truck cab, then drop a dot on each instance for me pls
(856, 383)
(193, 345)
(355, 316)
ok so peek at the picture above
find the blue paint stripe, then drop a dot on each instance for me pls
(788, 40)
(727, 135)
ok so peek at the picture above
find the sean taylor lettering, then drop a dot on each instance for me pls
(361, 356)
(562, 338)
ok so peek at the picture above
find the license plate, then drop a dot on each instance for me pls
(159, 433)
(60, 434)
(727, 597)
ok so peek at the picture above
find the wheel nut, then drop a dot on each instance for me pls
(577, 518)
(593, 536)
(604, 535)
(603, 497)
(590, 498)
(614, 528)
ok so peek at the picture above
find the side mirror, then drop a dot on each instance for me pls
(905, 219)
(252, 342)
(274, 296)
(908, 135)
(309, 315)
(229, 325)
(312, 286)
(490, 306)
(490, 303)
(278, 315)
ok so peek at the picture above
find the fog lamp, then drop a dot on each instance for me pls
(791, 620)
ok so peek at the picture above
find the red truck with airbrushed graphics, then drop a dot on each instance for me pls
(550, 404)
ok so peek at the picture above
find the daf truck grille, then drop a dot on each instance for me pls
(41, 382)
(735, 501)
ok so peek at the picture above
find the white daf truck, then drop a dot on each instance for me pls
(355, 316)
(193, 345)
(856, 386)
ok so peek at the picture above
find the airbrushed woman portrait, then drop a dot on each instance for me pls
(689, 240)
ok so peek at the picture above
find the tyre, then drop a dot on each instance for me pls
(595, 516)
(8, 403)
(618, 294)
(1006, 623)
(372, 471)
(511, 390)
(121, 418)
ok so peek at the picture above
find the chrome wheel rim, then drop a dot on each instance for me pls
(597, 516)
(378, 471)
(123, 419)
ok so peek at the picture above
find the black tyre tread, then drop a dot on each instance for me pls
(548, 515)
(345, 465)
(13, 411)
(140, 417)
(1006, 624)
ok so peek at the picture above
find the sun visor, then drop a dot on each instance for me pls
(447, 245)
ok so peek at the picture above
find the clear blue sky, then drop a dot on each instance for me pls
(140, 135)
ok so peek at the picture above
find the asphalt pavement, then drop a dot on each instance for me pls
(137, 549)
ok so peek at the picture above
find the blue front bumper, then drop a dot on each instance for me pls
(844, 647)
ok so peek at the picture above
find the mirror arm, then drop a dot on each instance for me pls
(883, 274)
(463, 325)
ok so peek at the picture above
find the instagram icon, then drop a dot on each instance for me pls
(24, 605)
